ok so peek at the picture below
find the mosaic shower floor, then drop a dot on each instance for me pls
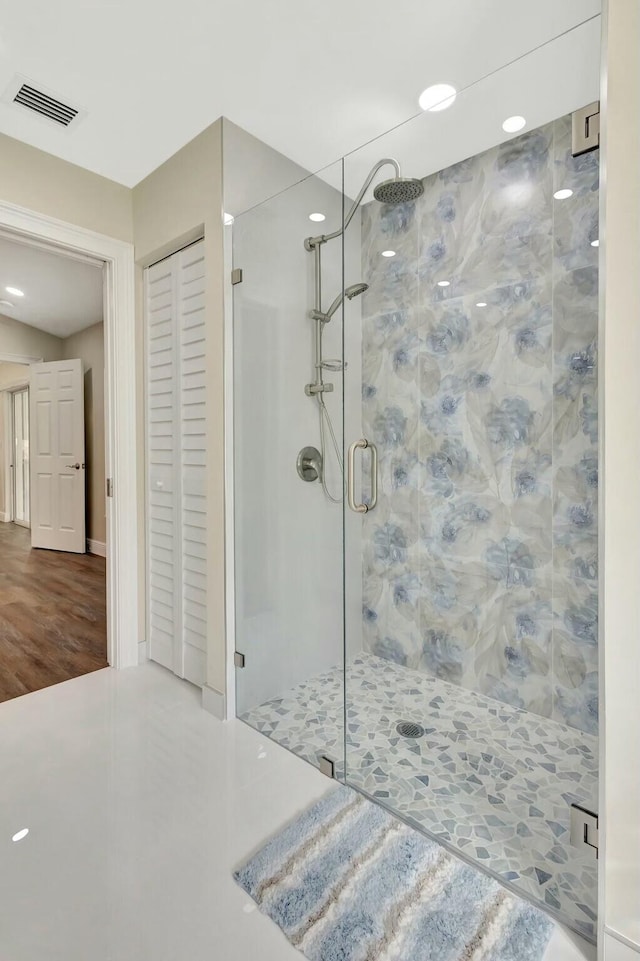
(491, 781)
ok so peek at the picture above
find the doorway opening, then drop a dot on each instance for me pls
(115, 259)
(53, 611)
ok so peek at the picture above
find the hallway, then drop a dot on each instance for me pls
(53, 623)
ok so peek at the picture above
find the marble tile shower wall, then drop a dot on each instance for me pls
(480, 561)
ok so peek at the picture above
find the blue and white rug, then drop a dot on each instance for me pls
(346, 881)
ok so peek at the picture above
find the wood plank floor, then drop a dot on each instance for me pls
(53, 618)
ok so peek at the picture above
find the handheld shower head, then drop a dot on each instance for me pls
(353, 291)
(398, 190)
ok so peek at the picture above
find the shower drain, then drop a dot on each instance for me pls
(409, 729)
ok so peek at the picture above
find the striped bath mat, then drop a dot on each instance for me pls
(346, 881)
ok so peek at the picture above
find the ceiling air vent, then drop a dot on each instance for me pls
(48, 106)
(42, 102)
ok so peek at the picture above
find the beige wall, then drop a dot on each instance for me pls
(39, 181)
(620, 337)
(88, 345)
(176, 204)
(13, 375)
(253, 171)
(20, 340)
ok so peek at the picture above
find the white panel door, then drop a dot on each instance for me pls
(176, 491)
(56, 416)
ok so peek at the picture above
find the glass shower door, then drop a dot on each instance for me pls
(288, 436)
(471, 656)
(436, 647)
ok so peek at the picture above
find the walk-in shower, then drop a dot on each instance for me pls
(439, 653)
(397, 190)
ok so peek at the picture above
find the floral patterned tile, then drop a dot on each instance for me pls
(470, 209)
(482, 399)
(575, 220)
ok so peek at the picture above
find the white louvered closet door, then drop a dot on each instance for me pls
(176, 463)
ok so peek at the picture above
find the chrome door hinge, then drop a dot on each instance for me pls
(236, 276)
(583, 830)
(109, 487)
(327, 766)
(585, 129)
(238, 659)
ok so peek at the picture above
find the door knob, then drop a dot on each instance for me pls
(75, 466)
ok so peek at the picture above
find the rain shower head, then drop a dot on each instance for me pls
(398, 190)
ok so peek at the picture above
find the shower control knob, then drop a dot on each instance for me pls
(309, 464)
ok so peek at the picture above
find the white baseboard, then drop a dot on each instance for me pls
(96, 547)
(4, 517)
(142, 652)
(619, 948)
(213, 702)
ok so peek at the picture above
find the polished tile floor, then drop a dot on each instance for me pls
(493, 782)
(139, 805)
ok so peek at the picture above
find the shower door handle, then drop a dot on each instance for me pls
(362, 444)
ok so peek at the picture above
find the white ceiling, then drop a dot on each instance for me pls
(61, 295)
(551, 82)
(312, 79)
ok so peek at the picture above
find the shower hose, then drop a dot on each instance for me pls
(325, 422)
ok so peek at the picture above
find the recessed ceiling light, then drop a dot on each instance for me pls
(388, 253)
(563, 194)
(481, 303)
(437, 97)
(513, 124)
(595, 243)
(14, 291)
(444, 283)
(317, 218)
(227, 219)
(20, 835)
